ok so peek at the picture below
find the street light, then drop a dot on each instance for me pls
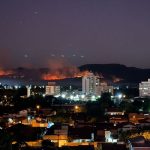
(38, 107)
(76, 108)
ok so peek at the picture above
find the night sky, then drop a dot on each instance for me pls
(32, 32)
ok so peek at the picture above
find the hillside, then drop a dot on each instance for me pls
(113, 73)
(118, 71)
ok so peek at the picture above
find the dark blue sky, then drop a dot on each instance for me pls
(79, 31)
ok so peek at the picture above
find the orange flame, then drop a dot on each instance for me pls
(61, 69)
(116, 79)
(59, 76)
(5, 73)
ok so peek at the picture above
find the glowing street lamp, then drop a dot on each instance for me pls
(63, 96)
(82, 96)
(71, 97)
(93, 98)
(119, 96)
(38, 107)
(76, 108)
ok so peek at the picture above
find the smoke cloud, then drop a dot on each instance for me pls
(61, 69)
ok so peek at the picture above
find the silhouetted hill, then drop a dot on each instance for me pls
(115, 73)
(118, 71)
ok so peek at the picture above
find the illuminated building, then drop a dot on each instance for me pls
(52, 89)
(104, 88)
(90, 84)
(28, 91)
(144, 88)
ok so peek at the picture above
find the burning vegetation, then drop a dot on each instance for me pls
(63, 75)
(5, 72)
(61, 69)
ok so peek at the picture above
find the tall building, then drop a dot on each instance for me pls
(105, 88)
(144, 88)
(52, 89)
(90, 84)
(28, 91)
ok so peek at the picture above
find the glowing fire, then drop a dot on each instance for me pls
(59, 76)
(116, 79)
(81, 74)
(5, 73)
(61, 69)
(50, 76)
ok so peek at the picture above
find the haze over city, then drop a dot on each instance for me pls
(34, 32)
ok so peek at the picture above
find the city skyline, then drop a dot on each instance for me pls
(79, 32)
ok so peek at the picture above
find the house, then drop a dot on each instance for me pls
(128, 126)
(138, 143)
(106, 132)
(138, 139)
(114, 111)
(113, 146)
(134, 117)
(136, 146)
(58, 133)
(144, 123)
(81, 134)
(118, 119)
(80, 147)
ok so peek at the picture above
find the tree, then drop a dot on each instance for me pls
(5, 140)
(23, 133)
(127, 107)
(137, 105)
(105, 102)
(146, 106)
(48, 145)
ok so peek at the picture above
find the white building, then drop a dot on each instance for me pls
(90, 84)
(28, 91)
(52, 89)
(144, 88)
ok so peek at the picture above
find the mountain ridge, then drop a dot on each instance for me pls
(115, 73)
(126, 74)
